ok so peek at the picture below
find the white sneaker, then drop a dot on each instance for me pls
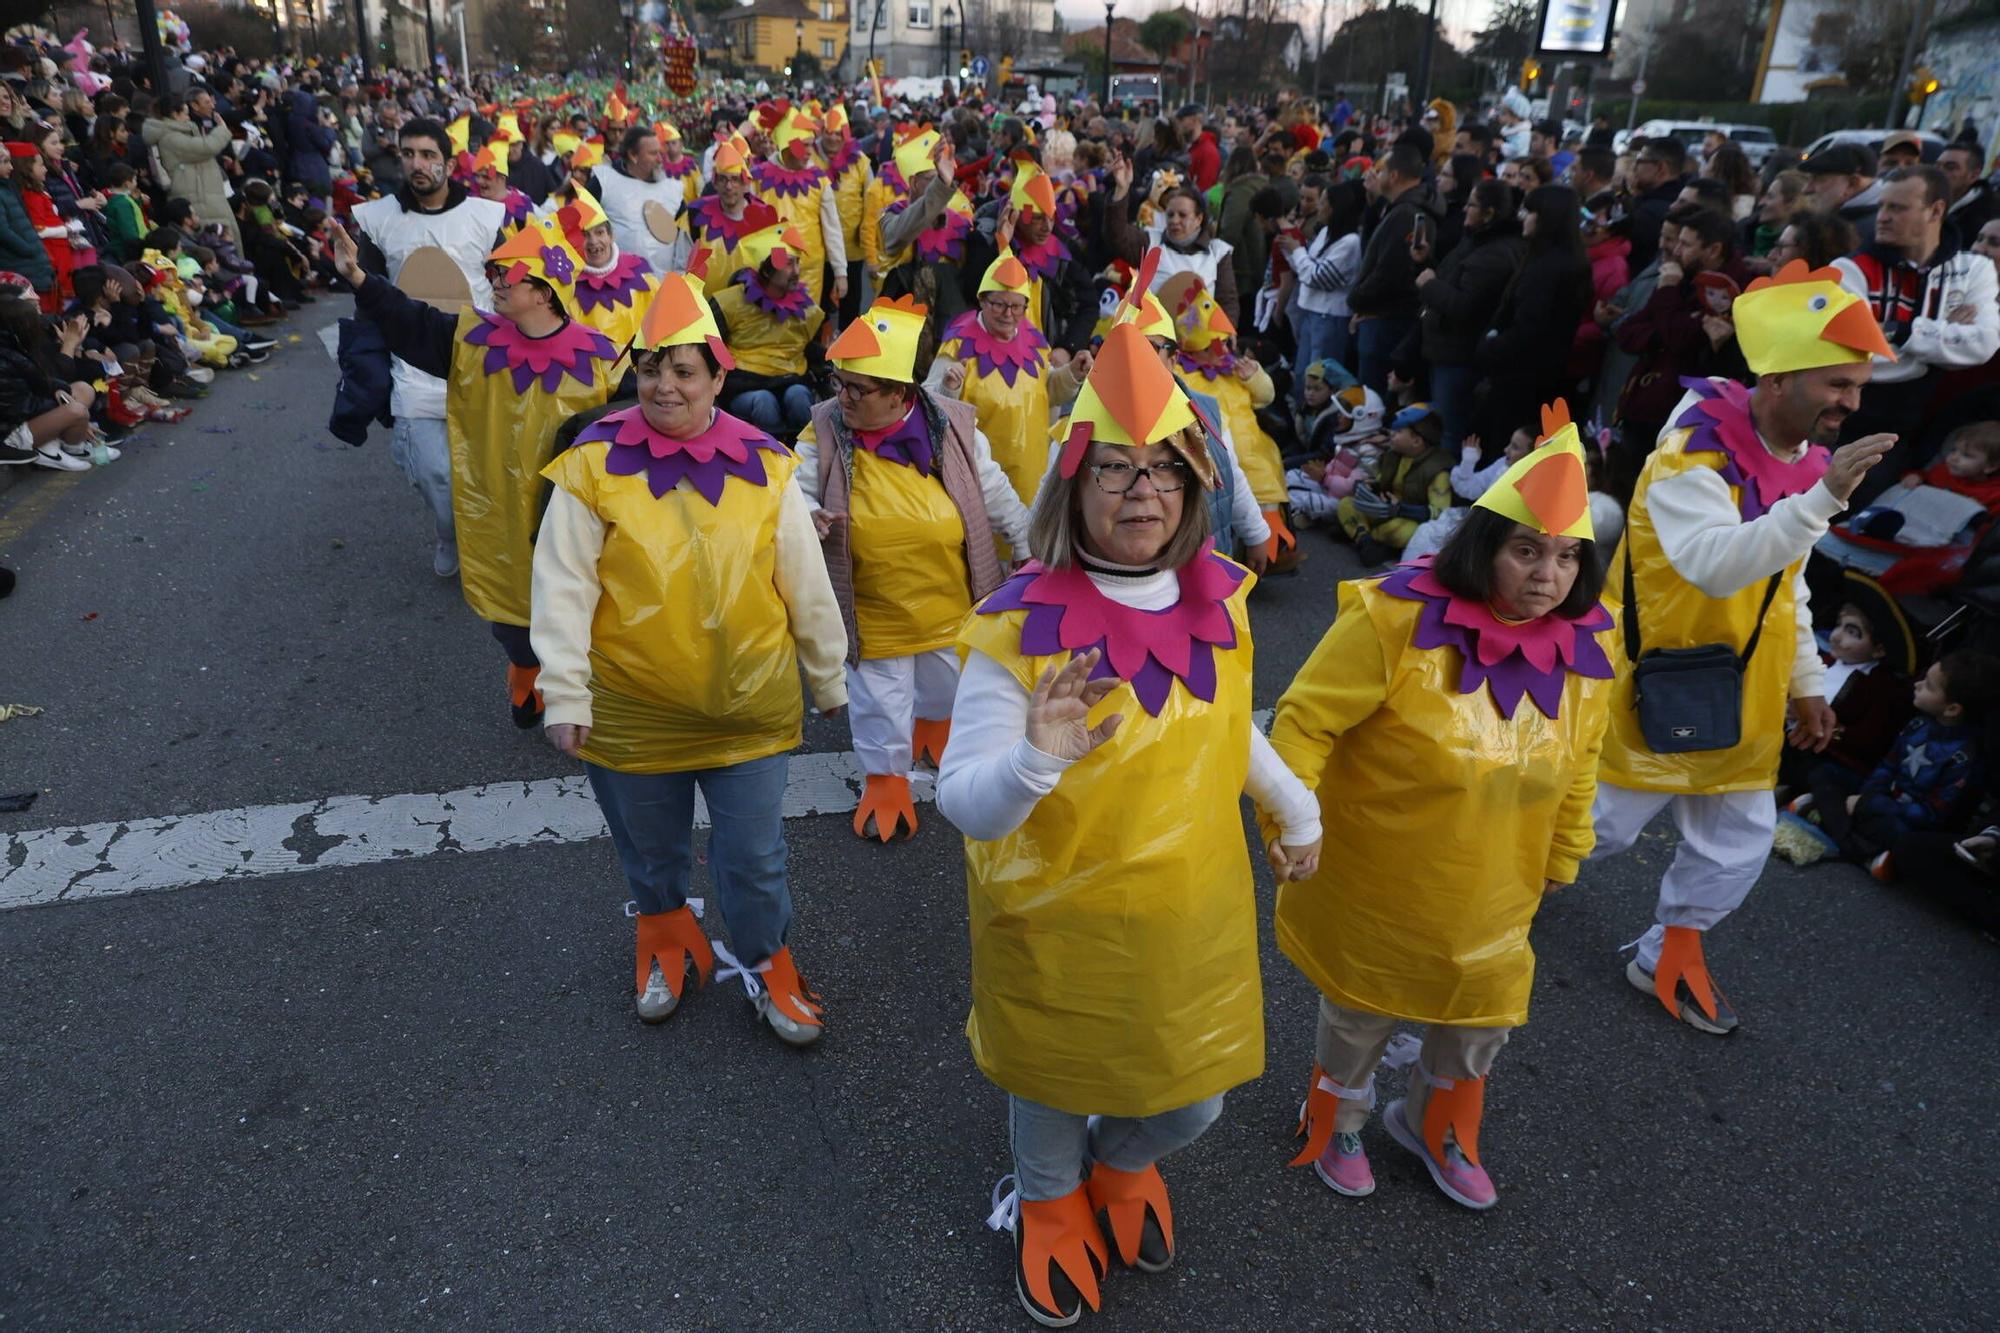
(76, 449)
(50, 456)
(657, 1001)
(103, 451)
(201, 374)
(444, 560)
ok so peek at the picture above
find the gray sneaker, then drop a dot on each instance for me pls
(1721, 1025)
(658, 1001)
(444, 559)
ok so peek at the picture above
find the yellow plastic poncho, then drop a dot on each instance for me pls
(848, 187)
(620, 323)
(500, 441)
(1256, 452)
(1442, 819)
(762, 343)
(1676, 614)
(692, 663)
(1014, 417)
(1114, 934)
(802, 211)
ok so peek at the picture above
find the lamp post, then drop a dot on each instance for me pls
(950, 18)
(627, 11)
(798, 46)
(1108, 5)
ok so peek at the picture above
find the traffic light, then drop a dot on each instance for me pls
(1922, 84)
(1531, 73)
(965, 62)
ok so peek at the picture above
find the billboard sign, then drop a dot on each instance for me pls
(1576, 27)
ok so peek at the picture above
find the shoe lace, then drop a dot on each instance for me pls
(1006, 1207)
(1349, 1145)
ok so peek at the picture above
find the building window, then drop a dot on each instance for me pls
(920, 13)
(826, 11)
(826, 48)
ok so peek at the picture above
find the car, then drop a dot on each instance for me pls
(1872, 141)
(1756, 141)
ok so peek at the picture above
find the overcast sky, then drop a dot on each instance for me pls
(1459, 17)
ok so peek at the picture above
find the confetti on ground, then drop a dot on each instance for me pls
(10, 711)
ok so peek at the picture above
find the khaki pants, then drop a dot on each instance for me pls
(1350, 1043)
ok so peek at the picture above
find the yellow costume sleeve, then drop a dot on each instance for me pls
(1439, 495)
(1341, 684)
(1261, 389)
(1575, 833)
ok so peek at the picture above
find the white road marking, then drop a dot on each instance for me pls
(67, 865)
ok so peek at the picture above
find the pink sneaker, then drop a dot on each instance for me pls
(1344, 1167)
(1462, 1181)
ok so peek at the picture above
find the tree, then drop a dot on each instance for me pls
(1508, 37)
(1089, 53)
(805, 65)
(1162, 34)
(1379, 42)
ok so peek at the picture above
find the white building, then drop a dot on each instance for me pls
(1801, 50)
(924, 37)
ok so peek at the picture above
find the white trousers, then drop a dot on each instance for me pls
(886, 696)
(1725, 841)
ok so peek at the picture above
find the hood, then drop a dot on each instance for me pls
(1948, 245)
(155, 128)
(1869, 198)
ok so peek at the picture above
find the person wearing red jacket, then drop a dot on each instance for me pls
(1204, 154)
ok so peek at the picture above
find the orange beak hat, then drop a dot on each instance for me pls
(732, 157)
(589, 153)
(883, 342)
(539, 250)
(680, 316)
(1033, 190)
(782, 245)
(664, 131)
(1199, 319)
(836, 121)
(1801, 319)
(1548, 489)
(579, 215)
(492, 156)
(1006, 274)
(1131, 399)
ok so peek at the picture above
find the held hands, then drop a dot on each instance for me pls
(824, 521)
(1293, 863)
(1813, 724)
(1719, 328)
(1058, 711)
(568, 737)
(954, 378)
(1850, 461)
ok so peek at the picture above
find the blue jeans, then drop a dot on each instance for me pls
(1050, 1146)
(762, 409)
(419, 446)
(652, 825)
(1321, 338)
(1376, 343)
(1451, 391)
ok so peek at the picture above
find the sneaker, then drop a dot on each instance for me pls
(658, 1001)
(1799, 805)
(1462, 1180)
(50, 456)
(1724, 1022)
(186, 388)
(201, 374)
(787, 1003)
(1344, 1167)
(75, 448)
(254, 344)
(1069, 1248)
(102, 453)
(444, 560)
(1883, 869)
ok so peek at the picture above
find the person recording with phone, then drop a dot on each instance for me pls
(1460, 293)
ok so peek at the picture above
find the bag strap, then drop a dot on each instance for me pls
(1631, 616)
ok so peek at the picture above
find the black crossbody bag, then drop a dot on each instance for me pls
(1689, 699)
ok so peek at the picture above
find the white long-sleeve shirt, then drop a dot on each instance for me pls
(1326, 269)
(991, 778)
(1004, 509)
(566, 589)
(1705, 539)
(1469, 481)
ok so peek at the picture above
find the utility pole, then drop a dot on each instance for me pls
(361, 43)
(156, 51)
(1319, 50)
(1639, 83)
(1421, 93)
(1912, 45)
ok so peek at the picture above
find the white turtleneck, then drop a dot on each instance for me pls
(991, 777)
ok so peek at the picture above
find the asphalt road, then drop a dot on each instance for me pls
(414, 1093)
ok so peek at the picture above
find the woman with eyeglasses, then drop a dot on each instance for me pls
(1101, 741)
(908, 502)
(994, 358)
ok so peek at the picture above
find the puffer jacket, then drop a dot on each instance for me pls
(26, 390)
(1387, 287)
(21, 249)
(193, 161)
(311, 143)
(362, 396)
(1459, 304)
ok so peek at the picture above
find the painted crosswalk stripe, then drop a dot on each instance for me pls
(111, 860)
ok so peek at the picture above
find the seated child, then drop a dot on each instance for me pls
(1322, 481)
(1469, 481)
(1933, 770)
(1968, 465)
(124, 212)
(1411, 483)
(1870, 655)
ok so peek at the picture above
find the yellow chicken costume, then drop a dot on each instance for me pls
(1455, 753)
(1112, 913)
(714, 231)
(678, 589)
(505, 396)
(798, 189)
(612, 299)
(768, 334)
(1008, 381)
(1720, 526)
(848, 169)
(920, 502)
(676, 163)
(1204, 357)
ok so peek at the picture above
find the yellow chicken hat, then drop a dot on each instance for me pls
(796, 127)
(460, 133)
(539, 250)
(665, 132)
(732, 157)
(579, 215)
(1133, 400)
(1006, 274)
(589, 153)
(1200, 320)
(1802, 318)
(1033, 190)
(883, 342)
(1548, 489)
(782, 244)
(836, 120)
(492, 156)
(680, 316)
(913, 155)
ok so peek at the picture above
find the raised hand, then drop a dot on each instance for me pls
(1059, 710)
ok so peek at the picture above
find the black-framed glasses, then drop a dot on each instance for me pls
(847, 388)
(1001, 306)
(1118, 478)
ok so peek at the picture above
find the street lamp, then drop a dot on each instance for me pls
(798, 46)
(627, 11)
(1109, 57)
(950, 18)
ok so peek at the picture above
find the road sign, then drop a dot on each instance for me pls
(1638, 87)
(979, 67)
